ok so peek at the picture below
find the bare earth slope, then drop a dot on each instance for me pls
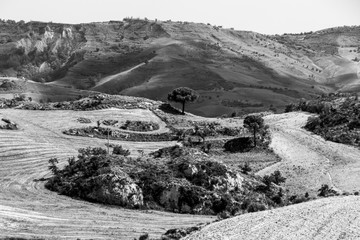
(307, 161)
(27, 209)
(329, 218)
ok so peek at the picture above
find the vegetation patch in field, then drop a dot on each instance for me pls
(101, 132)
(83, 120)
(182, 180)
(140, 126)
(84, 103)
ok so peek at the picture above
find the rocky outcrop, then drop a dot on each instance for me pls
(230, 182)
(171, 194)
(118, 189)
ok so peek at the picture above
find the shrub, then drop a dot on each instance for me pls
(326, 191)
(119, 150)
(173, 152)
(296, 199)
(242, 144)
(145, 236)
(275, 177)
(76, 178)
(256, 207)
(290, 107)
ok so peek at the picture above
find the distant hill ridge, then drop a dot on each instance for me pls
(234, 71)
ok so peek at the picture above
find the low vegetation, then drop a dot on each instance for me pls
(84, 103)
(140, 126)
(114, 134)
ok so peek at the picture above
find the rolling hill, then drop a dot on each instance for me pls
(234, 71)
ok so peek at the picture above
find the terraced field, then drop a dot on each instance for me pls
(27, 209)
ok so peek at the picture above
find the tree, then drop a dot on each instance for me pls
(183, 95)
(254, 123)
(53, 168)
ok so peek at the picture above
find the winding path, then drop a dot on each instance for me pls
(27, 209)
(115, 76)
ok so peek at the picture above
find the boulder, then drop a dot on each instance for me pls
(9, 125)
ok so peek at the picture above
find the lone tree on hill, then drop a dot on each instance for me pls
(183, 95)
(254, 123)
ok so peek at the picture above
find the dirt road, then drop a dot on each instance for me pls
(27, 209)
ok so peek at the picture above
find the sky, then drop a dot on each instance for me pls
(263, 16)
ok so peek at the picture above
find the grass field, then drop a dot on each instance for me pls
(27, 209)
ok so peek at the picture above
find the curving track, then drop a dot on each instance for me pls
(27, 209)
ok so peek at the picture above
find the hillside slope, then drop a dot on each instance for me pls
(233, 70)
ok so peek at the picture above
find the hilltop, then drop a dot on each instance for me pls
(234, 71)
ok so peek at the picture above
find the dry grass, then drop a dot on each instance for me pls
(27, 209)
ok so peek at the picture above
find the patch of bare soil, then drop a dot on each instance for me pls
(29, 210)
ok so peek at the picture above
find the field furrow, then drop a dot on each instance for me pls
(27, 209)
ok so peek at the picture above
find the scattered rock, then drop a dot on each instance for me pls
(9, 124)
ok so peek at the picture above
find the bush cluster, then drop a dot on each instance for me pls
(76, 179)
(140, 126)
(200, 186)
